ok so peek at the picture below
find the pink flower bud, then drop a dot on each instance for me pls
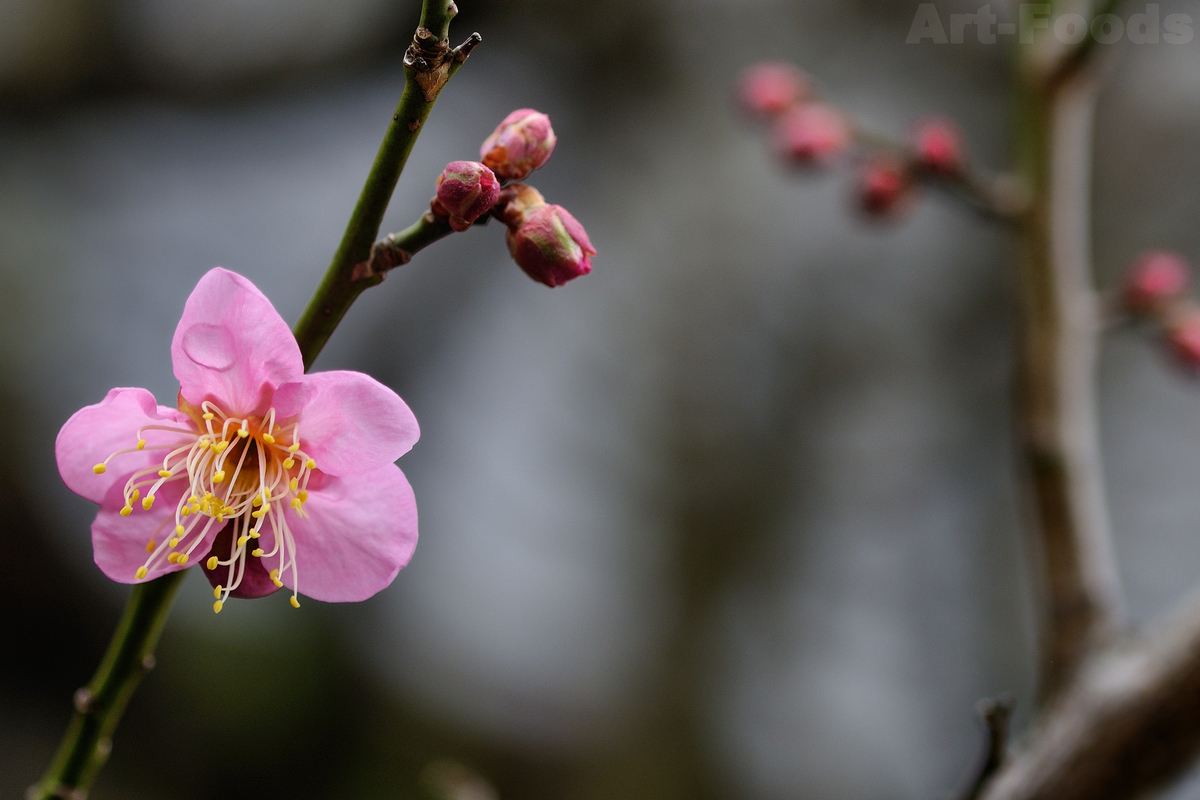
(772, 87)
(1183, 336)
(550, 245)
(1156, 278)
(883, 185)
(938, 146)
(522, 143)
(465, 190)
(813, 133)
(516, 202)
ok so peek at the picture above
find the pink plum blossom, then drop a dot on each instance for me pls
(294, 471)
(521, 143)
(938, 146)
(465, 190)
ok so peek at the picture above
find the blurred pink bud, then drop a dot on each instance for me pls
(813, 133)
(938, 146)
(772, 87)
(1156, 277)
(883, 185)
(1184, 338)
(522, 143)
(465, 190)
(551, 246)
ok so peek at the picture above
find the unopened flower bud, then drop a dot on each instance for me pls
(516, 202)
(883, 186)
(522, 143)
(1156, 278)
(813, 133)
(550, 245)
(1183, 336)
(938, 146)
(465, 190)
(772, 87)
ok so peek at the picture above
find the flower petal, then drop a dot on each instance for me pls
(94, 433)
(255, 580)
(231, 345)
(360, 531)
(119, 543)
(350, 423)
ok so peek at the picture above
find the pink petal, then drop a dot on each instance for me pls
(359, 533)
(93, 433)
(231, 346)
(350, 423)
(119, 543)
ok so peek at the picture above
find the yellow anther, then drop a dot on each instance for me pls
(278, 583)
(174, 557)
(183, 512)
(258, 514)
(149, 501)
(220, 446)
(289, 462)
(217, 590)
(255, 534)
(183, 559)
(257, 552)
(242, 432)
(220, 517)
(311, 464)
(302, 495)
(268, 438)
(195, 507)
(205, 444)
(212, 564)
(294, 484)
(294, 447)
(150, 545)
(295, 602)
(257, 501)
(179, 530)
(164, 473)
(209, 415)
(217, 606)
(136, 494)
(141, 573)
(99, 469)
(296, 503)
(274, 574)
(126, 511)
(171, 544)
(141, 444)
(242, 540)
(193, 499)
(220, 476)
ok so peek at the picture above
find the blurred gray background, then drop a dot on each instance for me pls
(731, 517)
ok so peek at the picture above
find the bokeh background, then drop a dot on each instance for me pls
(732, 517)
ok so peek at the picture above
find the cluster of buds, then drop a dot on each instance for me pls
(1155, 289)
(809, 132)
(544, 239)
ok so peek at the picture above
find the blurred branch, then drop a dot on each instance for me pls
(994, 197)
(428, 64)
(995, 714)
(1056, 402)
(100, 704)
(1129, 725)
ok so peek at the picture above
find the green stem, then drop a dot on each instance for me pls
(429, 64)
(99, 705)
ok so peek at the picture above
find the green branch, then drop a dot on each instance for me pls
(428, 65)
(99, 705)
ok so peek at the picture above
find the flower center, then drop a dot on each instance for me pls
(238, 471)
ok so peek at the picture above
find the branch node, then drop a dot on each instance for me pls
(463, 50)
(85, 700)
